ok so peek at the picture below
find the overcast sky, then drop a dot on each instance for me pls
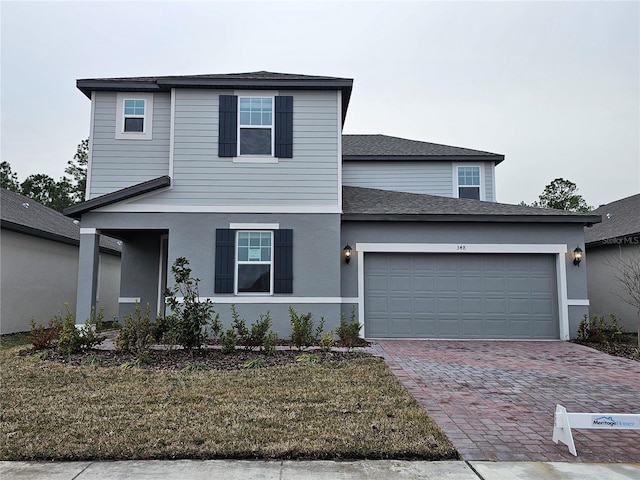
(554, 86)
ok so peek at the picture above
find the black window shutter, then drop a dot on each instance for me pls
(225, 260)
(228, 126)
(283, 261)
(284, 127)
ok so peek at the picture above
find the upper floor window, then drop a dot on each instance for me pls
(134, 115)
(469, 182)
(256, 125)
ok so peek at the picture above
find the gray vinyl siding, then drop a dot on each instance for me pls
(121, 163)
(202, 178)
(428, 177)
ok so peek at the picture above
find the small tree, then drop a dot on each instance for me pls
(190, 315)
(627, 273)
(77, 169)
(8, 178)
(562, 194)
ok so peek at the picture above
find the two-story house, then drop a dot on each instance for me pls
(250, 178)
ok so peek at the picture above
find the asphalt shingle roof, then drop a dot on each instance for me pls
(619, 219)
(363, 203)
(24, 215)
(250, 80)
(384, 147)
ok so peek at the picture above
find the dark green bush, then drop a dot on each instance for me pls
(229, 340)
(190, 316)
(301, 329)
(259, 331)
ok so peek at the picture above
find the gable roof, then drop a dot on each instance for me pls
(229, 81)
(386, 205)
(619, 219)
(384, 147)
(24, 215)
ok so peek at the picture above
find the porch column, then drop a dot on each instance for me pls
(88, 258)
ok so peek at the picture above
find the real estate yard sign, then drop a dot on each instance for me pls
(565, 421)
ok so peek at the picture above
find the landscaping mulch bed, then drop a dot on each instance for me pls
(209, 359)
(632, 352)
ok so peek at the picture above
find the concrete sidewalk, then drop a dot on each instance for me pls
(312, 470)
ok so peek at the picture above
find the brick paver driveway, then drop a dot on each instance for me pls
(495, 400)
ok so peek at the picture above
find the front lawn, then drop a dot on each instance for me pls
(334, 410)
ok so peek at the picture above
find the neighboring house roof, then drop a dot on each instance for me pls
(23, 215)
(619, 219)
(76, 211)
(372, 204)
(230, 81)
(384, 147)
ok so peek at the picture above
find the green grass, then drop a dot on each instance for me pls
(350, 409)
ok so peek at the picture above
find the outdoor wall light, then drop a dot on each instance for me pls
(347, 253)
(577, 256)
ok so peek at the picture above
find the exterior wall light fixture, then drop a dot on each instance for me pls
(577, 256)
(347, 253)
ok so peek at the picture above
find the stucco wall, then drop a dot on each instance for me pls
(39, 276)
(316, 260)
(604, 288)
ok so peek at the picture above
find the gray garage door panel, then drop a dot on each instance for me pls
(460, 296)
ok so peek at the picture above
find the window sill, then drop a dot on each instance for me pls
(256, 159)
(133, 136)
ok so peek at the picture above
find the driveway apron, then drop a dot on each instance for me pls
(495, 399)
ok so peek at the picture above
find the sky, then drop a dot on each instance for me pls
(553, 86)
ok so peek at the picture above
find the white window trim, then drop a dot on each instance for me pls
(146, 134)
(238, 262)
(258, 158)
(456, 192)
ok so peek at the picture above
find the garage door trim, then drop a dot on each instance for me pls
(559, 250)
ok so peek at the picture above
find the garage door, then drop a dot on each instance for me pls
(460, 296)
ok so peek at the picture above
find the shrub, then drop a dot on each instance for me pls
(259, 331)
(41, 337)
(269, 343)
(327, 341)
(301, 329)
(349, 333)
(136, 336)
(190, 316)
(229, 340)
(72, 339)
(597, 330)
(216, 327)
(239, 325)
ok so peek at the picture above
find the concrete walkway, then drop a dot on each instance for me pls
(495, 400)
(317, 470)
